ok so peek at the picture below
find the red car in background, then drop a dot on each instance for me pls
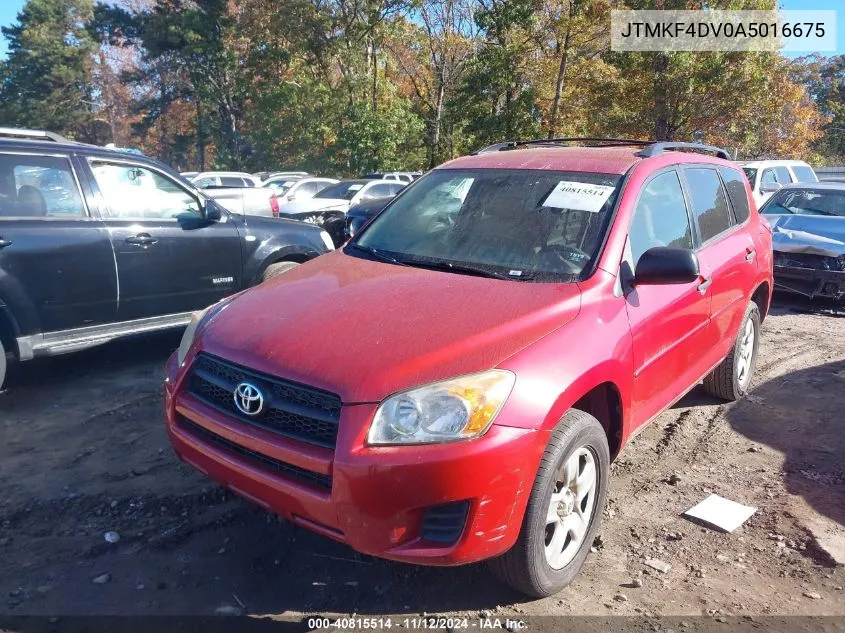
(452, 384)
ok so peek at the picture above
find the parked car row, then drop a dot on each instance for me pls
(299, 195)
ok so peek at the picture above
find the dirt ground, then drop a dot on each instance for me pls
(84, 452)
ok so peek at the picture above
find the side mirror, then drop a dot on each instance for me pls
(770, 187)
(211, 211)
(665, 265)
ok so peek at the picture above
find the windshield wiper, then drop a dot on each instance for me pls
(464, 269)
(380, 255)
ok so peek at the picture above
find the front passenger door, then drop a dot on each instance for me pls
(170, 259)
(669, 322)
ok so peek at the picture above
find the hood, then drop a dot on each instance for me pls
(364, 329)
(812, 234)
(312, 204)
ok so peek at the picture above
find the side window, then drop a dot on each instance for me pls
(132, 192)
(660, 218)
(38, 187)
(395, 189)
(784, 177)
(768, 177)
(804, 174)
(320, 185)
(310, 188)
(709, 204)
(381, 190)
(735, 184)
(208, 181)
(231, 181)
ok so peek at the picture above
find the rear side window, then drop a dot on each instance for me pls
(660, 218)
(735, 185)
(381, 190)
(231, 181)
(804, 174)
(784, 177)
(38, 187)
(709, 204)
(768, 177)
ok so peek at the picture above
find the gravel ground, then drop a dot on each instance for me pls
(85, 454)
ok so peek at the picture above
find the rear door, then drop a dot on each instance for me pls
(57, 270)
(169, 258)
(669, 322)
(725, 246)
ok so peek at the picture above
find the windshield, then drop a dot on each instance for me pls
(342, 190)
(516, 224)
(750, 173)
(807, 202)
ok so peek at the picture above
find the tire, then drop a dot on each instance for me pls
(731, 379)
(3, 364)
(527, 566)
(276, 269)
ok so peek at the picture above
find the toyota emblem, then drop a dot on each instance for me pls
(249, 399)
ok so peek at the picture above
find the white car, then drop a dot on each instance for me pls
(210, 179)
(340, 196)
(767, 176)
(405, 177)
(290, 188)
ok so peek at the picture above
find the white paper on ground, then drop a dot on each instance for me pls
(578, 196)
(721, 513)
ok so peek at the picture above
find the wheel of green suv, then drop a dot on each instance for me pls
(732, 377)
(273, 270)
(564, 509)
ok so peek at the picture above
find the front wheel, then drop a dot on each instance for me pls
(274, 270)
(2, 365)
(732, 378)
(564, 509)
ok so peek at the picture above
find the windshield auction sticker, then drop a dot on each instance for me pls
(578, 196)
(718, 30)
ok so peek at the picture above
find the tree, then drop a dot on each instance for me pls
(824, 78)
(46, 80)
(433, 58)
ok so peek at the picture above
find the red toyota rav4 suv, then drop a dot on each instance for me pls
(451, 385)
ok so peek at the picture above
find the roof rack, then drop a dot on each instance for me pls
(586, 141)
(40, 135)
(649, 148)
(655, 149)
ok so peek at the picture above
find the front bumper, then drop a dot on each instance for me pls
(372, 498)
(810, 282)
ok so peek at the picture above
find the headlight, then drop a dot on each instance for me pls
(190, 332)
(197, 319)
(327, 240)
(456, 409)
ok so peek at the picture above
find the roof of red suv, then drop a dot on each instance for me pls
(605, 160)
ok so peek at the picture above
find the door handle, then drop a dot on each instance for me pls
(4, 242)
(142, 239)
(750, 253)
(704, 285)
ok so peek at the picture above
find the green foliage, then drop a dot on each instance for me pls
(348, 86)
(46, 80)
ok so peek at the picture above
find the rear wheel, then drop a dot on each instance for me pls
(732, 378)
(276, 269)
(564, 510)
(2, 365)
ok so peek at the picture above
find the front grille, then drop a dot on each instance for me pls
(292, 410)
(444, 523)
(257, 459)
